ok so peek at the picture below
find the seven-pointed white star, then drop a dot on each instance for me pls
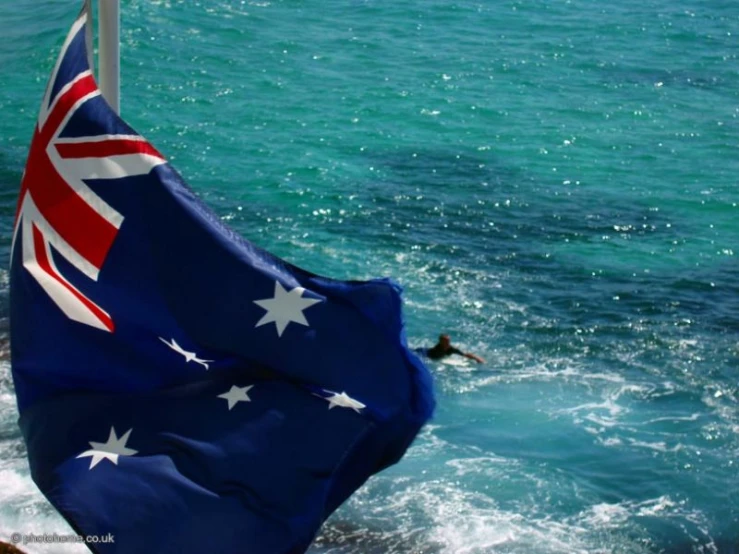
(109, 450)
(342, 400)
(235, 395)
(189, 356)
(286, 307)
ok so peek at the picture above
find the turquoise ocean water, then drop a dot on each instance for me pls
(553, 183)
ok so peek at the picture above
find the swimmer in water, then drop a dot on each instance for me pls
(444, 348)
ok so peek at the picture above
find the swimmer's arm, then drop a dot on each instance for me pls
(478, 359)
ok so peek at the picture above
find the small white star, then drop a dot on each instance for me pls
(285, 308)
(109, 450)
(342, 400)
(236, 395)
(189, 356)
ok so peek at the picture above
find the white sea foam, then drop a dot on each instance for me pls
(443, 515)
(659, 446)
(605, 413)
(691, 417)
(471, 523)
(617, 515)
(24, 510)
(486, 466)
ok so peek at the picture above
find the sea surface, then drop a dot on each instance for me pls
(554, 183)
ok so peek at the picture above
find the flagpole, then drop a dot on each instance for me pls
(109, 62)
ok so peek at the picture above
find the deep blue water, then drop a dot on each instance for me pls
(553, 183)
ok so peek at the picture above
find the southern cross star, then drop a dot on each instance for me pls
(285, 308)
(236, 395)
(342, 400)
(189, 356)
(109, 450)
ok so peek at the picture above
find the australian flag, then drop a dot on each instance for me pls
(180, 389)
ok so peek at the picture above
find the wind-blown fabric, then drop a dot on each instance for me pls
(180, 389)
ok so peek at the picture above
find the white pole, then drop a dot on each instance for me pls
(109, 58)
